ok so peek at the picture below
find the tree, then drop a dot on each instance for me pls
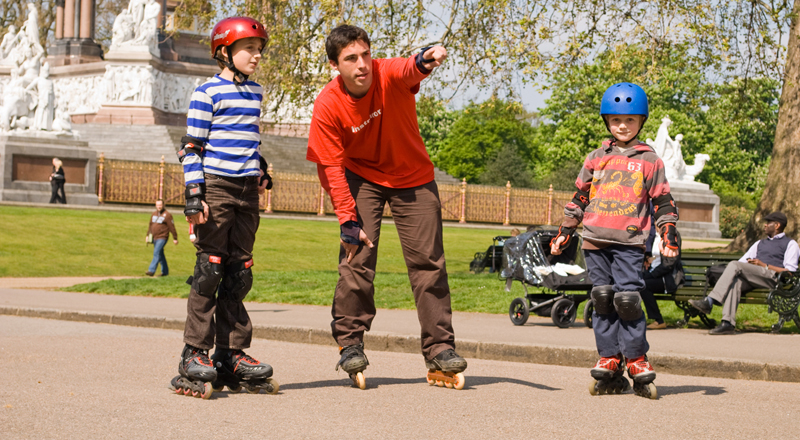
(507, 166)
(782, 188)
(435, 121)
(480, 133)
(15, 12)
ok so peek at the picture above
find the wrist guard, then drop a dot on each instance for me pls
(350, 232)
(195, 194)
(190, 145)
(669, 236)
(263, 165)
(421, 60)
(565, 232)
(664, 205)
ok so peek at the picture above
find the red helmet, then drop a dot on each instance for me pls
(235, 28)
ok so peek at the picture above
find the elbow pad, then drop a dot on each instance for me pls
(190, 145)
(581, 198)
(665, 205)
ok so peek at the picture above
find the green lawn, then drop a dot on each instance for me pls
(295, 261)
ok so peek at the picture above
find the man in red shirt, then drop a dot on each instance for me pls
(365, 141)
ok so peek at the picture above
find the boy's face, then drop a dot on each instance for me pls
(247, 54)
(624, 127)
(355, 67)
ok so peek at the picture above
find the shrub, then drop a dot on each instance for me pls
(733, 220)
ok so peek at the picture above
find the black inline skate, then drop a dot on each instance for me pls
(237, 370)
(446, 369)
(196, 373)
(354, 362)
(609, 377)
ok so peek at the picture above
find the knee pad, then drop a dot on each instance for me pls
(238, 280)
(628, 305)
(207, 274)
(603, 296)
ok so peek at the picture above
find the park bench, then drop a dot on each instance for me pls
(783, 300)
(492, 258)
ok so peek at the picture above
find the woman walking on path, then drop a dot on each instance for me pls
(57, 181)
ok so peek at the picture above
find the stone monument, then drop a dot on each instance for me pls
(30, 133)
(698, 206)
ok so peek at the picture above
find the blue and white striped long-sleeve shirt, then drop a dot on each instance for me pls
(226, 118)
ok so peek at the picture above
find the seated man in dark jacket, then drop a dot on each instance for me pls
(663, 274)
(759, 267)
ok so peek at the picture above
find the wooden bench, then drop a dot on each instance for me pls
(784, 299)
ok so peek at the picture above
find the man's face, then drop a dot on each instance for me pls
(624, 127)
(355, 67)
(159, 206)
(772, 228)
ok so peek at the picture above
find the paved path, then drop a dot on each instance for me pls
(486, 336)
(79, 380)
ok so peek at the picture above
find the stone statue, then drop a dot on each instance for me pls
(123, 30)
(137, 26)
(31, 26)
(46, 99)
(10, 40)
(671, 152)
(62, 122)
(16, 102)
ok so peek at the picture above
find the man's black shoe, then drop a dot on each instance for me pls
(724, 328)
(701, 305)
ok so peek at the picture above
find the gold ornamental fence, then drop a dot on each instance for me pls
(122, 181)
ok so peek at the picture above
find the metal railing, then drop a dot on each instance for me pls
(121, 181)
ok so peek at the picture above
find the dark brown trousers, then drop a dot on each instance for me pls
(417, 213)
(229, 233)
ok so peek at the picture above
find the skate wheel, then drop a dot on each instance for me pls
(460, 381)
(187, 391)
(448, 385)
(431, 382)
(235, 390)
(652, 392)
(359, 381)
(178, 390)
(593, 388)
(207, 391)
(272, 386)
(439, 383)
(253, 390)
(217, 389)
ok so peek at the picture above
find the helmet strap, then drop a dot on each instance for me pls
(238, 77)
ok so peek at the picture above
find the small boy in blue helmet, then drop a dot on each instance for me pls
(614, 190)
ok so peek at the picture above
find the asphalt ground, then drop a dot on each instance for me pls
(691, 352)
(65, 380)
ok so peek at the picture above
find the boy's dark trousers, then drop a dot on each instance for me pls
(229, 233)
(417, 214)
(618, 266)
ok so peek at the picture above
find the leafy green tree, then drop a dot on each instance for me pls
(480, 133)
(507, 166)
(435, 121)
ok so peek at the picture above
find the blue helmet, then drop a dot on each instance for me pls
(624, 99)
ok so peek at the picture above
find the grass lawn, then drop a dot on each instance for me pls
(295, 261)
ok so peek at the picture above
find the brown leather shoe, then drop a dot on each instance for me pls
(149, 274)
(657, 326)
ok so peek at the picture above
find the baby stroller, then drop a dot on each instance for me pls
(527, 259)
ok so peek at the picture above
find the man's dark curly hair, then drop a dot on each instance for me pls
(341, 37)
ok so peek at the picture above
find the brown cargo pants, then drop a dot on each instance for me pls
(417, 213)
(229, 233)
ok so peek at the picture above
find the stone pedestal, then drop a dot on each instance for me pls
(27, 163)
(698, 208)
(69, 51)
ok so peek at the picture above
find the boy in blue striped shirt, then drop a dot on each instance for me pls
(224, 171)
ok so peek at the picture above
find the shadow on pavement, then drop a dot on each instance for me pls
(374, 382)
(686, 389)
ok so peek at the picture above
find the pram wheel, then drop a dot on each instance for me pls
(588, 309)
(519, 312)
(563, 313)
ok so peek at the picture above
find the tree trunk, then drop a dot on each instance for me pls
(782, 188)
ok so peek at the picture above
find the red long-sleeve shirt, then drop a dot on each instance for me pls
(376, 136)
